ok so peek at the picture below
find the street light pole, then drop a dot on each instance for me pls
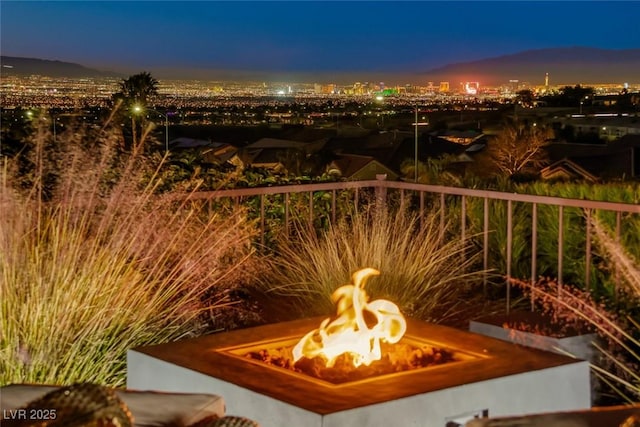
(415, 154)
(166, 133)
(54, 119)
(139, 109)
(415, 166)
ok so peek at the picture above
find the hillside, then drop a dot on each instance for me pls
(564, 65)
(12, 65)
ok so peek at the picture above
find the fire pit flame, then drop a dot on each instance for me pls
(351, 332)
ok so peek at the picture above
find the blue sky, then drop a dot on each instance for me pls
(326, 36)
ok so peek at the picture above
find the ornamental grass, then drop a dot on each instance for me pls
(424, 272)
(615, 320)
(93, 261)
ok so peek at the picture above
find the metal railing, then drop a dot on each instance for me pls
(438, 195)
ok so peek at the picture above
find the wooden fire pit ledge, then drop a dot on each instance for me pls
(487, 358)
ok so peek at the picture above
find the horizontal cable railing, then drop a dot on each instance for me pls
(475, 218)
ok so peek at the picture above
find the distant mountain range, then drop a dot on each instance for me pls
(569, 65)
(12, 65)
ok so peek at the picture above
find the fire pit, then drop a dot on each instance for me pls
(476, 375)
(364, 341)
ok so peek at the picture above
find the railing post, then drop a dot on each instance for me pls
(262, 230)
(534, 250)
(311, 211)
(509, 247)
(286, 214)
(617, 267)
(356, 198)
(463, 219)
(587, 262)
(485, 249)
(333, 206)
(560, 247)
(381, 194)
(421, 208)
(442, 219)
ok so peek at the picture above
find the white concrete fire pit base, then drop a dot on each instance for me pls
(493, 377)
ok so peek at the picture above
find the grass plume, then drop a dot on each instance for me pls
(420, 272)
(94, 262)
(618, 344)
(618, 257)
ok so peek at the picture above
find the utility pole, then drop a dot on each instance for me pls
(415, 154)
(139, 109)
(55, 117)
(415, 168)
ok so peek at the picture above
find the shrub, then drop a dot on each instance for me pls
(575, 226)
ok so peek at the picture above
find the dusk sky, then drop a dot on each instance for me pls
(304, 36)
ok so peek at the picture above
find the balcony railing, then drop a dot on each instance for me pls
(454, 202)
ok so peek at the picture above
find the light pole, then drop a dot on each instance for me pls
(139, 109)
(415, 166)
(582, 101)
(415, 155)
(54, 118)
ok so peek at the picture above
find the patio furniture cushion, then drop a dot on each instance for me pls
(148, 408)
(612, 416)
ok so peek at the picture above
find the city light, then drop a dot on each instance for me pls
(63, 93)
(472, 88)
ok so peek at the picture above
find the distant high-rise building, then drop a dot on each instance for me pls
(471, 88)
(546, 80)
(319, 89)
(444, 86)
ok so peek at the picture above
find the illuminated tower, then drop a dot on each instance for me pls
(546, 80)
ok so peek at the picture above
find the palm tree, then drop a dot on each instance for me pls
(135, 92)
(138, 89)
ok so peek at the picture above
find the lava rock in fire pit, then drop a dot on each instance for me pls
(395, 358)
